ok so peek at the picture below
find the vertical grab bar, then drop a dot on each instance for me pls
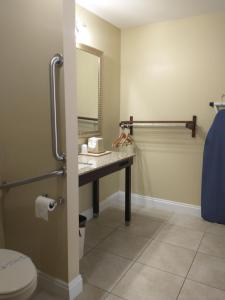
(57, 60)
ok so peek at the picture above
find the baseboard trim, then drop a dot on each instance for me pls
(59, 288)
(88, 213)
(75, 287)
(147, 201)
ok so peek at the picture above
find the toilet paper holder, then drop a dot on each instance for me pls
(58, 202)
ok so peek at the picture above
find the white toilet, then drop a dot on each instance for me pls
(18, 276)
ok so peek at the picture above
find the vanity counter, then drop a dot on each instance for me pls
(94, 163)
(91, 169)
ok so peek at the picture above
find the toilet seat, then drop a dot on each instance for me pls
(18, 275)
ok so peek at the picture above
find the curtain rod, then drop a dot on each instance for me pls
(131, 124)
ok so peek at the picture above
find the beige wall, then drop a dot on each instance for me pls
(31, 33)
(170, 71)
(2, 236)
(71, 141)
(106, 38)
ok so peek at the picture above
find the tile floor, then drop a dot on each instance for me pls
(161, 256)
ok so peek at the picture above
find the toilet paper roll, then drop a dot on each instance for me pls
(43, 205)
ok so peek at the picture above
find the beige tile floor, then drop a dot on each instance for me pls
(43, 296)
(161, 256)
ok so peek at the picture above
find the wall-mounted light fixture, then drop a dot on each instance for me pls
(82, 34)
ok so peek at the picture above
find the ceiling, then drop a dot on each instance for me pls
(131, 13)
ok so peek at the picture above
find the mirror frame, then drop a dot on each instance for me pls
(99, 54)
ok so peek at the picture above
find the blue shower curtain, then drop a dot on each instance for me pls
(213, 174)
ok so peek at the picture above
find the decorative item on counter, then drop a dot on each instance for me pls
(95, 145)
(84, 149)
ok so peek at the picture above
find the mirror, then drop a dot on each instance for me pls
(89, 89)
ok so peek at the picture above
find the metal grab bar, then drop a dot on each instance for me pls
(57, 60)
(11, 184)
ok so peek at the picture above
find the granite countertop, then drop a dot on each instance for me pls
(100, 161)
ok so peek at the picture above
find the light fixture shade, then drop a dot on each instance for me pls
(82, 34)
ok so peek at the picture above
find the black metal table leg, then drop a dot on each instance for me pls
(95, 198)
(127, 195)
